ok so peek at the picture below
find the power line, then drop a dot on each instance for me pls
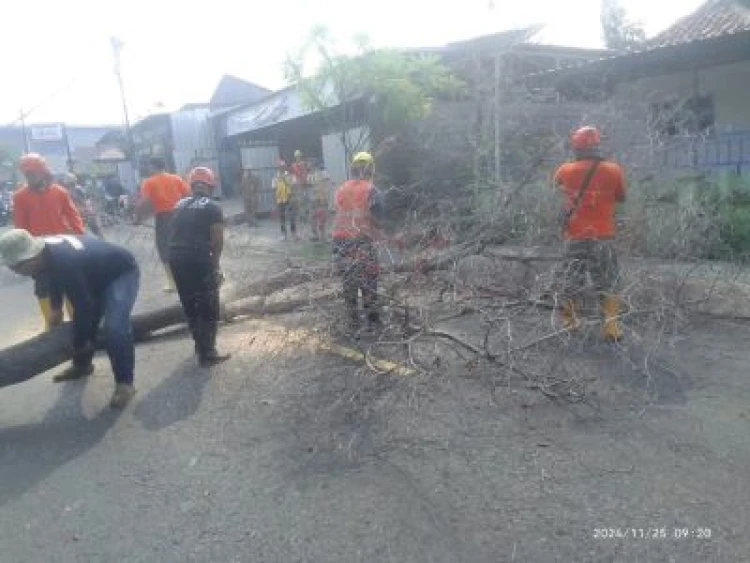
(26, 113)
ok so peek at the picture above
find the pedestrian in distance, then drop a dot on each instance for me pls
(159, 195)
(250, 188)
(321, 187)
(300, 170)
(359, 207)
(592, 187)
(43, 208)
(286, 200)
(101, 281)
(83, 204)
(196, 241)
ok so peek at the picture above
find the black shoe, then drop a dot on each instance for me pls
(213, 358)
(74, 372)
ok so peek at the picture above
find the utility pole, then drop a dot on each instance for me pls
(498, 127)
(22, 117)
(117, 46)
(68, 152)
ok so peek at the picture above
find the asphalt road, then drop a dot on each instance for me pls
(286, 454)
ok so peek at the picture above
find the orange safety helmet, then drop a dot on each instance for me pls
(203, 175)
(585, 138)
(34, 163)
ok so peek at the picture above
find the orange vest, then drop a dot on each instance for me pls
(353, 216)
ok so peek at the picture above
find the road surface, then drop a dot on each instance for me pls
(285, 454)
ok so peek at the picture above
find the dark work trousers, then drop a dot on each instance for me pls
(162, 227)
(198, 289)
(288, 211)
(356, 261)
(115, 305)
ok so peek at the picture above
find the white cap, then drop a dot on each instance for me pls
(18, 245)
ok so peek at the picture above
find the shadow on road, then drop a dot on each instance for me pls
(31, 452)
(176, 398)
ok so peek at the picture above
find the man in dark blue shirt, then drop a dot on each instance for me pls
(100, 280)
(196, 240)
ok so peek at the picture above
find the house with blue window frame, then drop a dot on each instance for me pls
(688, 89)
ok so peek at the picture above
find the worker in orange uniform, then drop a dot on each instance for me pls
(159, 195)
(592, 187)
(359, 205)
(44, 208)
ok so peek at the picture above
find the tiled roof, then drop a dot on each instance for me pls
(715, 18)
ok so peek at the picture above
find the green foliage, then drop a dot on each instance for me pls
(400, 87)
(619, 32)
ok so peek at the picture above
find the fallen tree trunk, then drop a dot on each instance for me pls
(50, 349)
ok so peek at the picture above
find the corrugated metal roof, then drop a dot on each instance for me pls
(715, 18)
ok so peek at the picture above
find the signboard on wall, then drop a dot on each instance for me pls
(47, 133)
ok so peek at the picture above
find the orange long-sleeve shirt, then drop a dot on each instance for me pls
(595, 216)
(47, 212)
(164, 190)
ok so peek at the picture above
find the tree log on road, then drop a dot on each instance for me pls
(50, 349)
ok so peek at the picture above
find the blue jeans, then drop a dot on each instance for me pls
(119, 300)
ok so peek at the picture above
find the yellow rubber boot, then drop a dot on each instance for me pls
(611, 308)
(45, 305)
(570, 315)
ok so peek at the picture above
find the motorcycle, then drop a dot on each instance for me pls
(6, 208)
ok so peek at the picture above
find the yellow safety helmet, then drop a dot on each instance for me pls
(362, 158)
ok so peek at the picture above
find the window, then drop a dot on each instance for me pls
(673, 118)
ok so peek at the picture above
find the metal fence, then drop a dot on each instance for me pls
(719, 152)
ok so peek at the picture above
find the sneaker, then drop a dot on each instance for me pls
(213, 358)
(122, 395)
(74, 372)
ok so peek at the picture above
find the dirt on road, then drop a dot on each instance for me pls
(290, 454)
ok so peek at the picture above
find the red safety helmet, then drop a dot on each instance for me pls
(585, 138)
(203, 175)
(281, 163)
(34, 163)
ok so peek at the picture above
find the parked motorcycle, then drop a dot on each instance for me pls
(6, 208)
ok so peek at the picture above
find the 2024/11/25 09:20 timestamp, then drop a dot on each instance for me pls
(652, 533)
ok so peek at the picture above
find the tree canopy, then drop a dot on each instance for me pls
(399, 86)
(619, 32)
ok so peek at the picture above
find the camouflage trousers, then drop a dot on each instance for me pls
(596, 259)
(356, 261)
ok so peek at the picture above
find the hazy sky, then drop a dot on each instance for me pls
(176, 52)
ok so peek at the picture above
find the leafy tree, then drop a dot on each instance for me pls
(383, 88)
(619, 32)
